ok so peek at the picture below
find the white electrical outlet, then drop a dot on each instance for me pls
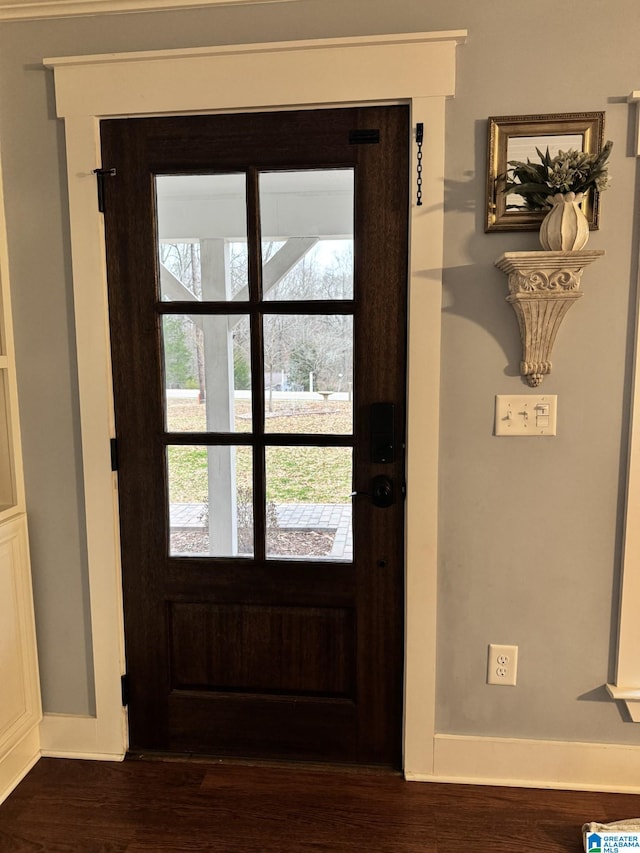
(502, 665)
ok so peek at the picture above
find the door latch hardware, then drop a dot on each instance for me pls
(114, 454)
(419, 141)
(382, 433)
(381, 491)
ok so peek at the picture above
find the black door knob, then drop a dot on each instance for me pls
(381, 491)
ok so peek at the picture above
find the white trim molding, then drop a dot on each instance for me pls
(71, 736)
(25, 10)
(627, 685)
(415, 68)
(235, 78)
(18, 761)
(634, 98)
(20, 704)
(524, 763)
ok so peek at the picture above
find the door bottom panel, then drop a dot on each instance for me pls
(238, 647)
(283, 731)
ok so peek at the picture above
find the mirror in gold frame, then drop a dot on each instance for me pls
(517, 138)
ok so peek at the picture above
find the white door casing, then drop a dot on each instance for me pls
(415, 68)
(627, 686)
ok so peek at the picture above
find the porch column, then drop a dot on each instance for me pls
(219, 403)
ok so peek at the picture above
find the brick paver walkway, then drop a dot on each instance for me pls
(290, 516)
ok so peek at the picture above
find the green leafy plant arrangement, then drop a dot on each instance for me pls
(568, 172)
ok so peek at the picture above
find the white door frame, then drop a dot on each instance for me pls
(415, 68)
(627, 684)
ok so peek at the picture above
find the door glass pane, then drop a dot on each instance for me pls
(207, 372)
(210, 501)
(308, 373)
(307, 234)
(202, 237)
(309, 502)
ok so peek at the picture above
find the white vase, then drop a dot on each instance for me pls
(565, 227)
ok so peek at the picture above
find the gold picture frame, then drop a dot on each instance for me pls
(516, 138)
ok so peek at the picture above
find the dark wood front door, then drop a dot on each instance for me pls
(257, 270)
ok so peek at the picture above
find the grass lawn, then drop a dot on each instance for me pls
(294, 474)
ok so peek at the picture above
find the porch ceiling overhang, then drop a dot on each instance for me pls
(313, 203)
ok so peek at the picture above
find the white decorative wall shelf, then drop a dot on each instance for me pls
(542, 288)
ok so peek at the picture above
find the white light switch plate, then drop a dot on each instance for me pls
(526, 414)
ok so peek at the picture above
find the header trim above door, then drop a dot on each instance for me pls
(250, 76)
(457, 36)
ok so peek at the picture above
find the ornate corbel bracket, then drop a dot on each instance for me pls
(542, 288)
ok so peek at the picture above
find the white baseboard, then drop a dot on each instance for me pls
(15, 765)
(70, 736)
(533, 764)
(461, 759)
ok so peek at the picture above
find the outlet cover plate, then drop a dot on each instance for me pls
(526, 414)
(502, 665)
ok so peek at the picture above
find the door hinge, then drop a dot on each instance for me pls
(124, 683)
(364, 137)
(101, 174)
(114, 454)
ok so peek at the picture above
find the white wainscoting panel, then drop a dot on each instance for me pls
(20, 694)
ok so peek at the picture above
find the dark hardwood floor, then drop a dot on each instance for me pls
(144, 806)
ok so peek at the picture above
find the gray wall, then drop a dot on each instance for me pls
(530, 529)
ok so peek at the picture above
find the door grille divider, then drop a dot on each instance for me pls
(254, 240)
(268, 439)
(301, 306)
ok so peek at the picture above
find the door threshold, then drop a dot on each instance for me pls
(281, 763)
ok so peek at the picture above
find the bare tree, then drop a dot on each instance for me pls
(294, 346)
